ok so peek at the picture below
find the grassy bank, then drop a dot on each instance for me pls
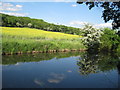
(26, 40)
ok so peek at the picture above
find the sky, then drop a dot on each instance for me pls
(62, 13)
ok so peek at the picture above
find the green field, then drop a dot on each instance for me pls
(26, 40)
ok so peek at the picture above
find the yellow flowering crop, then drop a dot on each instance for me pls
(35, 33)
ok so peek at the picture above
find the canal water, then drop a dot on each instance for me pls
(61, 70)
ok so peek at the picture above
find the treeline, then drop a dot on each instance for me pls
(14, 21)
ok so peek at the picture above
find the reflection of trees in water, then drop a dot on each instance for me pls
(88, 64)
(118, 67)
(37, 57)
(87, 68)
(94, 63)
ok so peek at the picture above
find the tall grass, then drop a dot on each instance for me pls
(26, 40)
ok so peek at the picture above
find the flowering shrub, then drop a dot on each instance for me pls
(100, 39)
(91, 37)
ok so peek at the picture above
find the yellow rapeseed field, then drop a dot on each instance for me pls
(24, 40)
(35, 33)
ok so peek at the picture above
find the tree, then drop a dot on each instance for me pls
(111, 11)
(29, 24)
(91, 37)
(109, 40)
(14, 21)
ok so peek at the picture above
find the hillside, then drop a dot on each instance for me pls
(14, 21)
(26, 40)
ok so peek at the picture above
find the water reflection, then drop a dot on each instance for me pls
(15, 59)
(57, 70)
(39, 82)
(94, 63)
(88, 63)
(56, 78)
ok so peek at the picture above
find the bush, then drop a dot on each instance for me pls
(91, 37)
(109, 40)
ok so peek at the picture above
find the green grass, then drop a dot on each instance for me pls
(25, 40)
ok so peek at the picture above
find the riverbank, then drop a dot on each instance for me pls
(26, 40)
(50, 51)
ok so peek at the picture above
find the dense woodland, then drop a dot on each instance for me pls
(14, 21)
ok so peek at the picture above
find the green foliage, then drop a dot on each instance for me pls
(118, 49)
(100, 39)
(109, 40)
(13, 21)
(91, 37)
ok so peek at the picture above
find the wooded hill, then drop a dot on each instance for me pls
(14, 21)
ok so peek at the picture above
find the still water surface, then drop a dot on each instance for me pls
(60, 70)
